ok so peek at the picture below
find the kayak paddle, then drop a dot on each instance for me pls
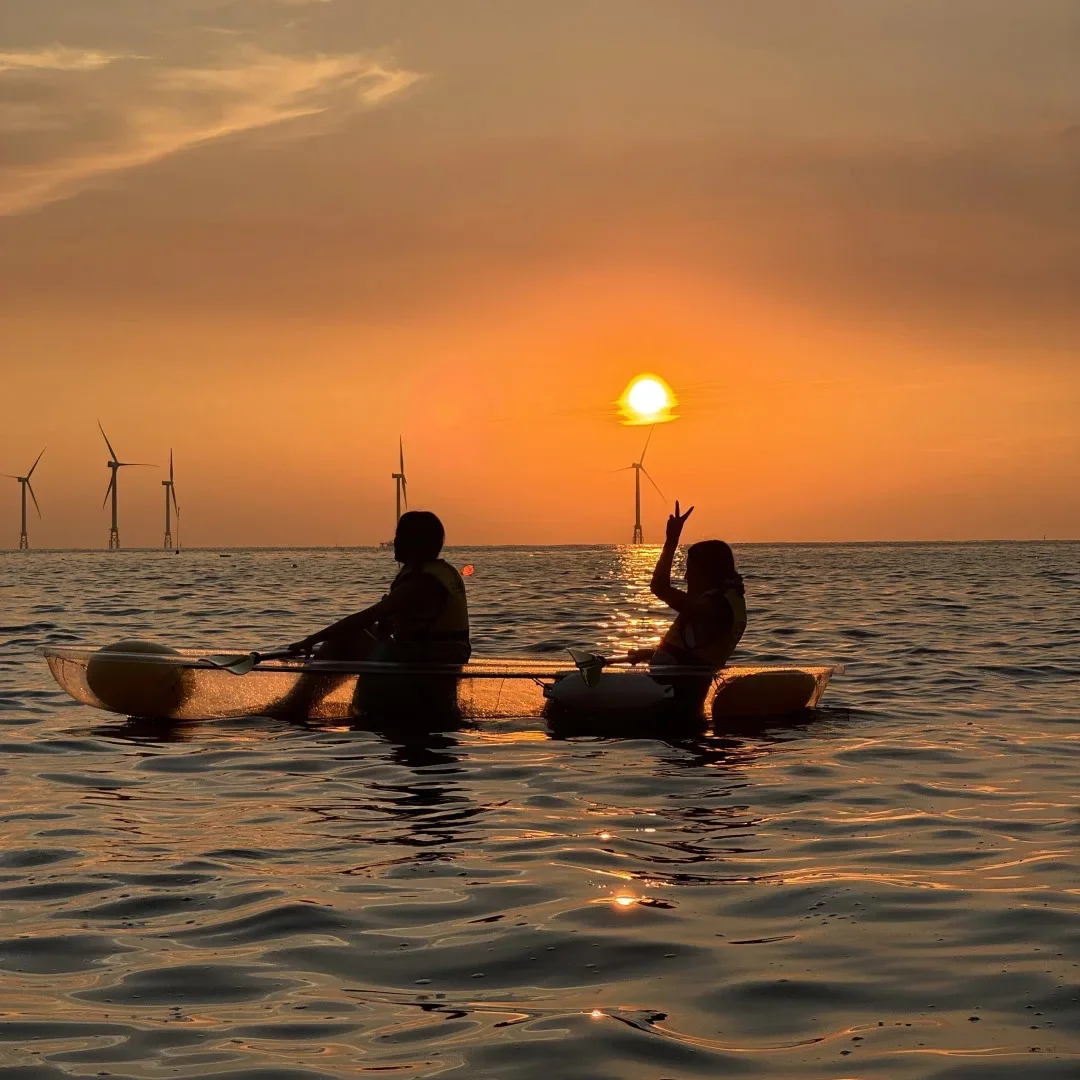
(591, 664)
(242, 663)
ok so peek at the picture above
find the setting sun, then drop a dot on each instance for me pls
(647, 400)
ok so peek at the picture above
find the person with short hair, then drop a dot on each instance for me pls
(711, 615)
(424, 618)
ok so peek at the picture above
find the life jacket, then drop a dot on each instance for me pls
(690, 642)
(452, 624)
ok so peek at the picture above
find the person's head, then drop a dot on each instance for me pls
(419, 537)
(709, 564)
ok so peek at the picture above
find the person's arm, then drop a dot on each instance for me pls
(405, 596)
(661, 580)
(661, 585)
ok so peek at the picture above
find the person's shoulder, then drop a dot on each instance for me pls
(415, 576)
(714, 602)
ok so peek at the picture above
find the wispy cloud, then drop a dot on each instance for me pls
(55, 58)
(70, 117)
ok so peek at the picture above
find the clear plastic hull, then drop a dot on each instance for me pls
(182, 687)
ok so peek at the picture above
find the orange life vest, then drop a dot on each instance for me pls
(451, 624)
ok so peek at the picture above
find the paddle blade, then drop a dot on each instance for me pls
(242, 663)
(591, 673)
(232, 663)
(581, 656)
(112, 452)
(34, 466)
(590, 664)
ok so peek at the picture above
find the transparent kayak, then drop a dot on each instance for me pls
(182, 685)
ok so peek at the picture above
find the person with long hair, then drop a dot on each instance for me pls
(711, 612)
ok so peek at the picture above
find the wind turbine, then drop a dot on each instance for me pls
(170, 495)
(115, 466)
(639, 468)
(400, 483)
(25, 486)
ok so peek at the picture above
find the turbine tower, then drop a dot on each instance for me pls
(639, 468)
(400, 483)
(114, 466)
(25, 486)
(170, 496)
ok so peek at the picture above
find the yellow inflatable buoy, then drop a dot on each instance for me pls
(124, 682)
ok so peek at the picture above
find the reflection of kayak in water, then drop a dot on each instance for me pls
(136, 678)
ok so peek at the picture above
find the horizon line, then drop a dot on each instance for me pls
(549, 546)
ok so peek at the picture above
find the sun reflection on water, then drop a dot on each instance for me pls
(636, 617)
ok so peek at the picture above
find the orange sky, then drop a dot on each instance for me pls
(273, 235)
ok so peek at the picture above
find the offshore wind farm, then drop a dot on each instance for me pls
(646, 400)
(638, 535)
(401, 485)
(114, 466)
(24, 488)
(171, 505)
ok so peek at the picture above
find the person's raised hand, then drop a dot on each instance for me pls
(675, 524)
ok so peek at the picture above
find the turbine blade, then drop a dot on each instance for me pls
(34, 497)
(405, 491)
(641, 460)
(655, 485)
(107, 443)
(108, 490)
(170, 465)
(34, 466)
(401, 456)
(12, 476)
(176, 505)
(141, 464)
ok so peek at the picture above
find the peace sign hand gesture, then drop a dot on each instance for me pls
(675, 524)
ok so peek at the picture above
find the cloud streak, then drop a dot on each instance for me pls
(70, 117)
(55, 58)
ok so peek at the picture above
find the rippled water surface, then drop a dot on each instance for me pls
(891, 888)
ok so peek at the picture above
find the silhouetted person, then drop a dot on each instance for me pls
(711, 613)
(423, 619)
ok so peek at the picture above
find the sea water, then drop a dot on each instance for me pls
(890, 887)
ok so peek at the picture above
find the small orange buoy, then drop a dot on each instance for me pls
(467, 571)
